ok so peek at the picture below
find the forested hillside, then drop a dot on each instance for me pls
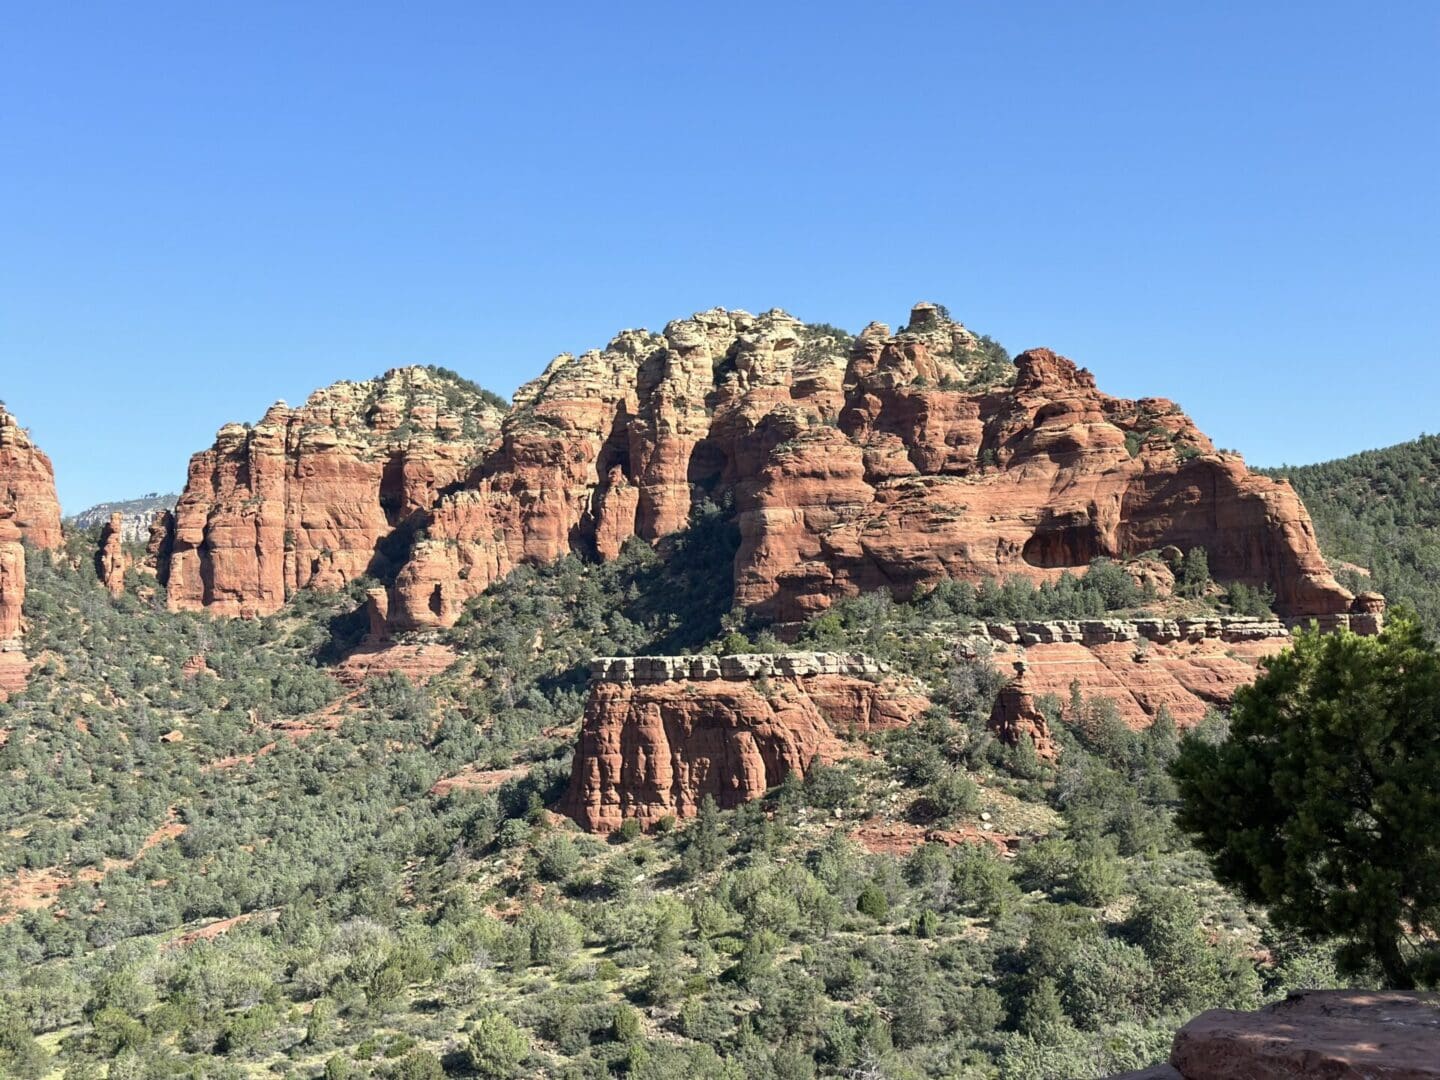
(1380, 511)
(242, 867)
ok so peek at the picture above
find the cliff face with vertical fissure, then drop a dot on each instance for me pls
(29, 513)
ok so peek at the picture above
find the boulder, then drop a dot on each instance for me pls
(1316, 1034)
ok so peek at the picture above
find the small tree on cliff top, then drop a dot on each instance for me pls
(1324, 802)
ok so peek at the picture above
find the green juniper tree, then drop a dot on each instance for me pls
(1322, 803)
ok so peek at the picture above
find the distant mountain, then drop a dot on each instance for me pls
(1379, 511)
(138, 515)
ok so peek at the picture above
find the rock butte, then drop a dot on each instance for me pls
(309, 497)
(29, 513)
(885, 461)
(662, 732)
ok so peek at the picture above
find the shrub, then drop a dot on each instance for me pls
(496, 1047)
(873, 902)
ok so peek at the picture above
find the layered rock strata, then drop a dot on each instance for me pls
(660, 733)
(889, 461)
(27, 486)
(310, 496)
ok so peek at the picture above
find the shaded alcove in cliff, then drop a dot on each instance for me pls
(1064, 546)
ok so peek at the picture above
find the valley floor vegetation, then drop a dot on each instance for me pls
(248, 869)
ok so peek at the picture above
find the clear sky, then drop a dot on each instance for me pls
(206, 207)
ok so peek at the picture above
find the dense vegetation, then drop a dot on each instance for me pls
(1380, 510)
(286, 891)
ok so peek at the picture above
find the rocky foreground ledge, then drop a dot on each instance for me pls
(1324, 1034)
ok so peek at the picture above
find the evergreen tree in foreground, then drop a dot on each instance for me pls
(1324, 802)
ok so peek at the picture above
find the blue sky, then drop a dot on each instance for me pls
(204, 208)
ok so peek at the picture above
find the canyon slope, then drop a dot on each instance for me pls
(309, 496)
(29, 513)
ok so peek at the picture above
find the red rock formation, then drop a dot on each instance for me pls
(661, 733)
(619, 443)
(29, 513)
(920, 484)
(306, 498)
(891, 461)
(896, 463)
(1141, 666)
(1318, 1034)
(1183, 678)
(418, 662)
(111, 562)
(27, 486)
(1016, 716)
(159, 544)
(559, 482)
(13, 665)
(12, 579)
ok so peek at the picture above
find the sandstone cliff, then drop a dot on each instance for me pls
(27, 486)
(887, 461)
(111, 562)
(29, 513)
(310, 496)
(13, 665)
(660, 733)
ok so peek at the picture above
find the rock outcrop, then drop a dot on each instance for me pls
(315, 496)
(1318, 1034)
(662, 732)
(29, 513)
(27, 486)
(111, 562)
(1185, 666)
(13, 665)
(888, 461)
(159, 543)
